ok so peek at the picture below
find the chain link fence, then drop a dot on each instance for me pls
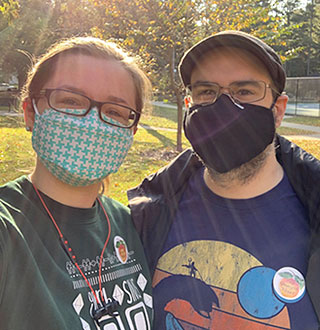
(304, 96)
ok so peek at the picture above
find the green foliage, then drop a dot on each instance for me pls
(159, 32)
(31, 26)
(299, 40)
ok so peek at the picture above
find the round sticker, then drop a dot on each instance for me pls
(289, 284)
(120, 247)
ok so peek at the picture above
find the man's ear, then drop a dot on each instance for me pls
(279, 109)
(187, 102)
(28, 113)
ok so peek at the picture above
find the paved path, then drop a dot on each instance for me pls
(313, 129)
(11, 114)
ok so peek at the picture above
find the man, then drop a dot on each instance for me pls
(227, 226)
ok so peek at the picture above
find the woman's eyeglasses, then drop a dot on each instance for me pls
(76, 104)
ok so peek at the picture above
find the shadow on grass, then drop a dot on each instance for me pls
(166, 142)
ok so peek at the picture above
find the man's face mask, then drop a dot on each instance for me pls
(226, 135)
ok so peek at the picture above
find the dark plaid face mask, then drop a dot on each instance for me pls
(226, 135)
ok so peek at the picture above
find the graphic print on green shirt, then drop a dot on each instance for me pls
(40, 288)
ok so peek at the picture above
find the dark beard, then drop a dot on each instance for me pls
(244, 173)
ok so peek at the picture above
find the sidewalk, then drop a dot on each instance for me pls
(11, 114)
(313, 129)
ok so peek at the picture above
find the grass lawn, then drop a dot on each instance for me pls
(151, 150)
(293, 131)
(313, 121)
(160, 117)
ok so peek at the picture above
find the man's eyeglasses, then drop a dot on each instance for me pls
(240, 91)
(76, 104)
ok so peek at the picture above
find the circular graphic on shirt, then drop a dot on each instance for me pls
(256, 295)
(121, 249)
(208, 283)
(289, 285)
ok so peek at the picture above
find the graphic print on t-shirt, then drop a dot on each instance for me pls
(122, 279)
(216, 285)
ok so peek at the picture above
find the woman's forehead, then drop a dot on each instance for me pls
(94, 76)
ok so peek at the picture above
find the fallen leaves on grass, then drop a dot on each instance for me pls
(311, 146)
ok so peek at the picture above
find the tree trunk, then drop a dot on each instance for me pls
(178, 95)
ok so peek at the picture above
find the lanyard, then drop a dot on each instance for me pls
(105, 308)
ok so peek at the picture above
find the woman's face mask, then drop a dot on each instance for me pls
(79, 150)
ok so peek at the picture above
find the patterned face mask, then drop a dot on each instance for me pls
(79, 150)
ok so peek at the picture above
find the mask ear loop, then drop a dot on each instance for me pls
(274, 102)
(35, 107)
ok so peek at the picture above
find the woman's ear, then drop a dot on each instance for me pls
(28, 113)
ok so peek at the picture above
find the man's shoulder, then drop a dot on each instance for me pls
(293, 157)
(169, 179)
(303, 171)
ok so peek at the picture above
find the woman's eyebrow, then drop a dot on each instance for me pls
(117, 99)
(111, 98)
(72, 89)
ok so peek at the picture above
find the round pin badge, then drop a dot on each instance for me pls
(289, 285)
(121, 249)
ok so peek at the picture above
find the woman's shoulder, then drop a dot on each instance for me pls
(14, 187)
(118, 213)
(13, 197)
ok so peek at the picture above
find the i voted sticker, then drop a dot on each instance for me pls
(289, 285)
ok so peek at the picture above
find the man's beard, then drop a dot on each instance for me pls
(244, 173)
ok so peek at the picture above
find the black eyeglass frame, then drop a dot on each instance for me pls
(189, 88)
(48, 91)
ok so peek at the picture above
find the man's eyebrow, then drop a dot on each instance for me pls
(245, 82)
(238, 82)
(203, 82)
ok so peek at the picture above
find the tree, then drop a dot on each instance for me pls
(161, 31)
(299, 40)
(30, 26)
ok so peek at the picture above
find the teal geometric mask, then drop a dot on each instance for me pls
(79, 150)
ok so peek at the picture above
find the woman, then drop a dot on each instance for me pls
(70, 257)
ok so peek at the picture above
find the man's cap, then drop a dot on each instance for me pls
(237, 39)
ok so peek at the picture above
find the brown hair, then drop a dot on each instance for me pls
(45, 66)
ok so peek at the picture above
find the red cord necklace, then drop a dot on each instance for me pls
(71, 255)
